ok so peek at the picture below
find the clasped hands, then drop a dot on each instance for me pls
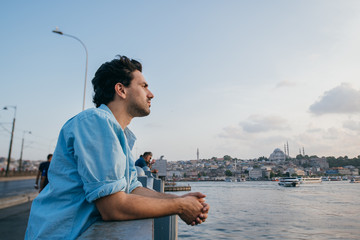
(197, 209)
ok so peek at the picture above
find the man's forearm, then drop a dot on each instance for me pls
(151, 193)
(42, 183)
(197, 195)
(122, 206)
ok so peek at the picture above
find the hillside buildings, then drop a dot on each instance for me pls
(278, 164)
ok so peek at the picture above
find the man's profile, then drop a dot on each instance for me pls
(92, 174)
(145, 162)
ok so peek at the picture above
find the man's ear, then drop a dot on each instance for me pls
(120, 90)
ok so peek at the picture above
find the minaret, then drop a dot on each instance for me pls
(288, 148)
(197, 154)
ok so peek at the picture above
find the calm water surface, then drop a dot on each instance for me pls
(264, 210)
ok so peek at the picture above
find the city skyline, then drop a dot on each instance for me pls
(229, 78)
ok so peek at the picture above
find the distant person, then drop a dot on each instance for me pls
(145, 163)
(140, 162)
(43, 170)
(92, 175)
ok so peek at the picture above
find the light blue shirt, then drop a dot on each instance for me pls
(92, 159)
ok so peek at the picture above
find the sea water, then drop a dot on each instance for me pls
(265, 210)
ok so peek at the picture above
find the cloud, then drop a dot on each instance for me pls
(256, 123)
(285, 84)
(341, 99)
(352, 125)
(313, 130)
(231, 132)
(329, 142)
(238, 143)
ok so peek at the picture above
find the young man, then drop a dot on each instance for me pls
(92, 174)
(43, 170)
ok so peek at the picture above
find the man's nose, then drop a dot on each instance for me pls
(150, 95)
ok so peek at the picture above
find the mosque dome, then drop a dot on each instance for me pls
(277, 155)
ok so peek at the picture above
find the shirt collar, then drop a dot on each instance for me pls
(130, 136)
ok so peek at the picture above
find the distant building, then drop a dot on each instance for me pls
(299, 172)
(192, 174)
(345, 171)
(353, 170)
(332, 171)
(214, 167)
(255, 173)
(277, 155)
(171, 174)
(160, 165)
(319, 162)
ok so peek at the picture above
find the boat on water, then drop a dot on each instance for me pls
(335, 178)
(228, 179)
(355, 180)
(289, 182)
(310, 180)
(325, 179)
(241, 179)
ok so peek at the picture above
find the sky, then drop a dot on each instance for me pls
(238, 78)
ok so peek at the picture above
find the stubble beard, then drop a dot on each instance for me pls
(138, 110)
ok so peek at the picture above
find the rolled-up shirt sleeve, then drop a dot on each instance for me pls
(100, 152)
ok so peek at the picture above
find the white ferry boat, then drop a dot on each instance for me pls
(289, 182)
(310, 180)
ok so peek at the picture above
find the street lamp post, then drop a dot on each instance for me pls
(22, 148)
(11, 139)
(86, 65)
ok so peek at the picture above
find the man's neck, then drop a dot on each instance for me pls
(120, 114)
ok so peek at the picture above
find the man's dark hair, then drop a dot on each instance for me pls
(49, 156)
(110, 73)
(147, 153)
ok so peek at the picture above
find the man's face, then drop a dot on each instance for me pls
(138, 96)
(148, 158)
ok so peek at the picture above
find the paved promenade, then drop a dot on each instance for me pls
(16, 197)
(13, 221)
(16, 190)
